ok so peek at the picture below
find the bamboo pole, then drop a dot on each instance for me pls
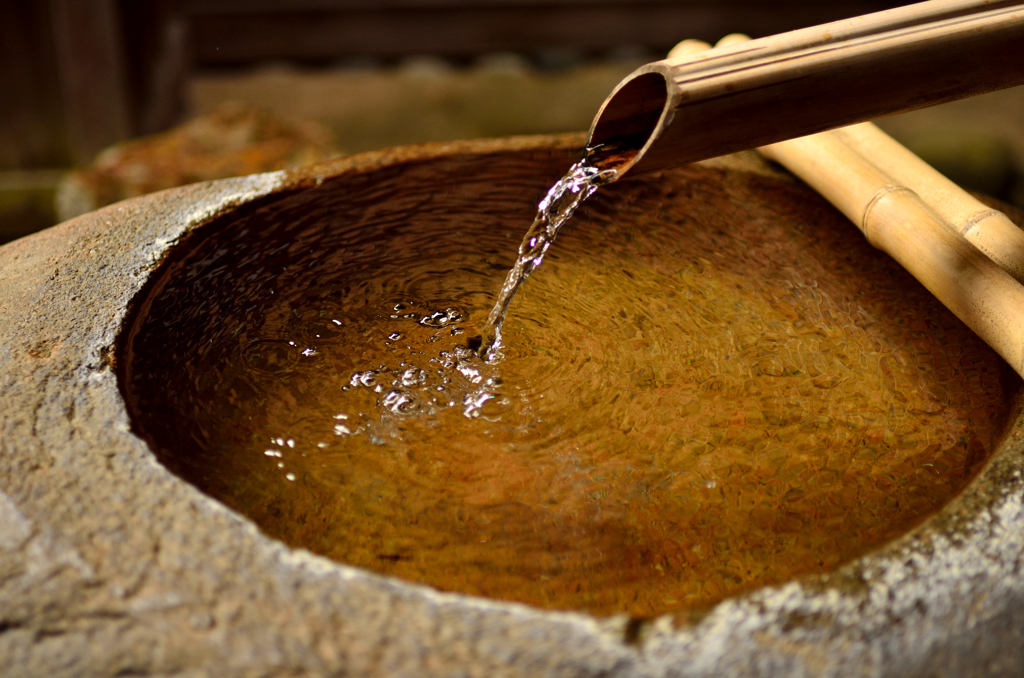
(687, 108)
(902, 223)
(933, 228)
(988, 229)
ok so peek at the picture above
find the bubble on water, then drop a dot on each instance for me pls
(494, 407)
(395, 336)
(445, 359)
(472, 402)
(413, 377)
(486, 404)
(442, 318)
(470, 372)
(367, 379)
(401, 401)
(309, 352)
(468, 363)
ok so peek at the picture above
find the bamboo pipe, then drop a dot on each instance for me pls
(988, 229)
(933, 228)
(680, 110)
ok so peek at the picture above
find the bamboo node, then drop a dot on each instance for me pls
(879, 195)
(978, 218)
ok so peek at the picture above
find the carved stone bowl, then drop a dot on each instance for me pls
(111, 565)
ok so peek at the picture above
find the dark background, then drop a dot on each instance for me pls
(79, 75)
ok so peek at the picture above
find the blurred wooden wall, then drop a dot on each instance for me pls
(78, 75)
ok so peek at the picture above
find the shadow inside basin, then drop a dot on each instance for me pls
(712, 383)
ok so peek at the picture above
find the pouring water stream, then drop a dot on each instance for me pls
(561, 201)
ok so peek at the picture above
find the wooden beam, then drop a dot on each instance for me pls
(227, 33)
(90, 65)
(31, 125)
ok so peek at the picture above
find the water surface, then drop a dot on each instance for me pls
(713, 383)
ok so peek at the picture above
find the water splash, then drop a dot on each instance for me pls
(558, 205)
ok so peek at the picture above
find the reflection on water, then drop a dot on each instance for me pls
(712, 385)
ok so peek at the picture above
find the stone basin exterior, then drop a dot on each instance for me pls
(110, 565)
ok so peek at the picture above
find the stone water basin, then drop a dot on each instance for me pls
(749, 539)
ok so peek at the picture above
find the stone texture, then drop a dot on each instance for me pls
(109, 565)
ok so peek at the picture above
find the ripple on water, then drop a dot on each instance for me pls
(271, 357)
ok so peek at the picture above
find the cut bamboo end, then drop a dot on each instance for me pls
(744, 94)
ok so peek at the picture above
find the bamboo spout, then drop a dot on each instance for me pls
(755, 93)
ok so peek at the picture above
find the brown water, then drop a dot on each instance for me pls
(715, 384)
